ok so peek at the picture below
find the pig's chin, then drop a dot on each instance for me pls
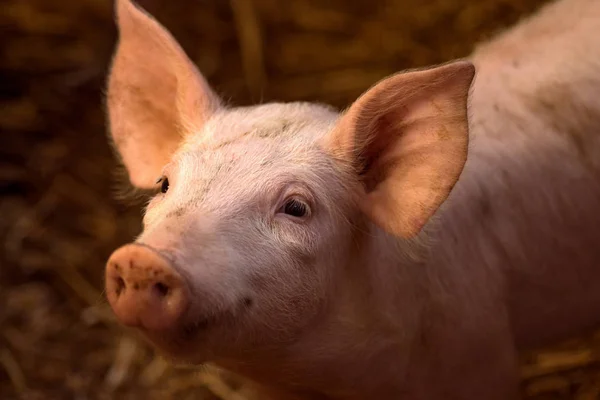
(188, 343)
(192, 340)
(178, 351)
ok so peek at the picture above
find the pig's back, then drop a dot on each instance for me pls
(529, 198)
(529, 218)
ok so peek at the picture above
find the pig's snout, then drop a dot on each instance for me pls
(144, 290)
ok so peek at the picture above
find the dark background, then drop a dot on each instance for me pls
(59, 215)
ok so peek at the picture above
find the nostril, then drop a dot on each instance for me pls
(161, 289)
(144, 290)
(119, 285)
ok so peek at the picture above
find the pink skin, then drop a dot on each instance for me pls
(330, 256)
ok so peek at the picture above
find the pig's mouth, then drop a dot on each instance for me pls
(191, 329)
(196, 329)
(177, 342)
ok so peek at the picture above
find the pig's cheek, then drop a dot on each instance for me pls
(155, 201)
(152, 211)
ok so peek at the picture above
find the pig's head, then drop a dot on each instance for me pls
(258, 208)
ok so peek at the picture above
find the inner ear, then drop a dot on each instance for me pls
(371, 171)
(407, 139)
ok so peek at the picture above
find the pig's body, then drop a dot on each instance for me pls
(529, 197)
(344, 308)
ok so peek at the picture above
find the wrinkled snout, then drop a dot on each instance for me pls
(144, 290)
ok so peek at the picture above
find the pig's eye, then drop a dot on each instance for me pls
(295, 208)
(164, 184)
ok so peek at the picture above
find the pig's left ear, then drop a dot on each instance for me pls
(155, 95)
(407, 138)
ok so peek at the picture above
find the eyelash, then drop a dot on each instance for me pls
(164, 187)
(296, 208)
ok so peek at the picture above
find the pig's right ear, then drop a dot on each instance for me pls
(155, 95)
(407, 139)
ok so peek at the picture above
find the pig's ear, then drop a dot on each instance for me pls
(407, 138)
(155, 95)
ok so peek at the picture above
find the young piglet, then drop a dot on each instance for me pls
(332, 256)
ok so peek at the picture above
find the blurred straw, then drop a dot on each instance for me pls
(12, 368)
(120, 369)
(554, 361)
(251, 45)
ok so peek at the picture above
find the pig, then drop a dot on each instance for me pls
(407, 247)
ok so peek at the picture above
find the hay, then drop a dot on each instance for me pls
(59, 216)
